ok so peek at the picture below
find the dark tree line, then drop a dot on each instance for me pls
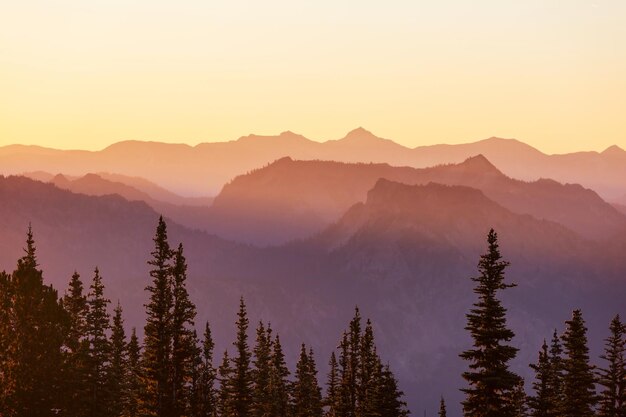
(70, 356)
(565, 384)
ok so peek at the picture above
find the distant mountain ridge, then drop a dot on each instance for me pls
(203, 169)
(292, 199)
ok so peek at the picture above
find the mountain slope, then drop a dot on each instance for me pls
(294, 199)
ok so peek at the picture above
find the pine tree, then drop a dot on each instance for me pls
(76, 361)
(332, 387)
(118, 368)
(280, 388)
(520, 400)
(442, 408)
(156, 361)
(579, 396)
(344, 406)
(367, 376)
(33, 375)
(99, 348)
(354, 364)
(613, 377)
(225, 404)
(132, 385)
(542, 404)
(390, 403)
(183, 342)
(307, 396)
(491, 383)
(555, 379)
(262, 401)
(207, 406)
(241, 382)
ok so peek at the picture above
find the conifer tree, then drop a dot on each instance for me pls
(307, 397)
(367, 376)
(442, 408)
(156, 361)
(207, 395)
(354, 364)
(241, 382)
(579, 396)
(390, 402)
(262, 401)
(119, 361)
(76, 361)
(32, 376)
(491, 383)
(99, 348)
(542, 404)
(183, 342)
(332, 387)
(344, 406)
(520, 400)
(280, 388)
(225, 404)
(612, 378)
(132, 385)
(6, 291)
(555, 379)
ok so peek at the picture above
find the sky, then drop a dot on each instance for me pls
(88, 73)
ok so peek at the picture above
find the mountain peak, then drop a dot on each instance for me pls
(479, 164)
(613, 150)
(361, 134)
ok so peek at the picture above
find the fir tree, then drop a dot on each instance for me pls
(118, 367)
(367, 376)
(99, 348)
(262, 401)
(442, 408)
(520, 400)
(241, 382)
(307, 397)
(579, 396)
(225, 404)
(555, 379)
(33, 374)
(491, 383)
(390, 402)
(156, 361)
(543, 404)
(76, 362)
(332, 387)
(183, 342)
(206, 394)
(280, 388)
(613, 377)
(132, 385)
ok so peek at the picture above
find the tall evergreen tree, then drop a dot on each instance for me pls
(542, 404)
(332, 387)
(368, 380)
(520, 400)
(555, 379)
(241, 382)
(579, 396)
(99, 348)
(491, 383)
(206, 395)
(442, 408)
(307, 396)
(132, 385)
(262, 401)
(225, 403)
(183, 341)
(76, 361)
(390, 402)
(280, 388)
(119, 361)
(157, 352)
(612, 378)
(32, 375)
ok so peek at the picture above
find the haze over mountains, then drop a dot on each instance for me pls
(305, 240)
(203, 169)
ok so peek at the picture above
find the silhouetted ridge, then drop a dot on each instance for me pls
(613, 150)
(479, 164)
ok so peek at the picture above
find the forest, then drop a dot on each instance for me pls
(71, 355)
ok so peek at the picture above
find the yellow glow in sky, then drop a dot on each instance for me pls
(87, 73)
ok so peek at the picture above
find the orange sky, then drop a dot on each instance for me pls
(87, 73)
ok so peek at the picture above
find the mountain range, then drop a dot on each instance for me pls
(203, 169)
(403, 252)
